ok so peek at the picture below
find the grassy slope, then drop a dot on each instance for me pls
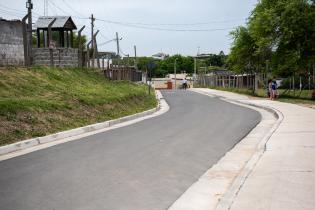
(41, 101)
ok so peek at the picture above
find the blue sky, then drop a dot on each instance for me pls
(153, 26)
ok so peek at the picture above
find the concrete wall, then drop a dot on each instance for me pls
(11, 43)
(62, 57)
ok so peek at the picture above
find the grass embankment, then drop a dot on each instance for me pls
(39, 101)
(301, 98)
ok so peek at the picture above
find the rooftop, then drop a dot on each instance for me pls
(62, 22)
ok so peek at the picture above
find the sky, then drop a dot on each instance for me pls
(169, 26)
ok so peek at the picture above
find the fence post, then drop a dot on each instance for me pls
(80, 48)
(25, 43)
(256, 83)
(88, 54)
(50, 41)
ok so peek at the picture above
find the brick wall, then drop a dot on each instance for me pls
(11, 43)
(62, 57)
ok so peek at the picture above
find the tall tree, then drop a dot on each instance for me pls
(243, 51)
(282, 31)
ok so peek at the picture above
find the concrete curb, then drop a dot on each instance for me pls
(219, 186)
(15, 147)
(228, 199)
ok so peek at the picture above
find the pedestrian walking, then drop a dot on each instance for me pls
(184, 83)
(270, 92)
(274, 87)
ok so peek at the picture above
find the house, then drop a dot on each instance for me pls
(11, 42)
(160, 56)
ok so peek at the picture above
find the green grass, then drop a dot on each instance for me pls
(39, 101)
(303, 97)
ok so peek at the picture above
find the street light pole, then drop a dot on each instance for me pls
(195, 70)
(29, 6)
(175, 72)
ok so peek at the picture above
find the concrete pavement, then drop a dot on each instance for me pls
(147, 165)
(284, 176)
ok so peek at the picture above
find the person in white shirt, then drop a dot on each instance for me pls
(184, 83)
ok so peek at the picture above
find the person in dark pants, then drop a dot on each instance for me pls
(269, 88)
(184, 83)
(274, 87)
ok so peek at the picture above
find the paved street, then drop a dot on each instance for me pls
(147, 165)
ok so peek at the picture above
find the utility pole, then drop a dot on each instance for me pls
(117, 40)
(175, 64)
(29, 6)
(92, 37)
(45, 7)
(195, 70)
(135, 49)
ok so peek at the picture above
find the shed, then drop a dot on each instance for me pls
(61, 25)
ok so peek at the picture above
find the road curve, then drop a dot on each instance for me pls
(147, 165)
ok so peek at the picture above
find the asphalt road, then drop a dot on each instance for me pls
(146, 166)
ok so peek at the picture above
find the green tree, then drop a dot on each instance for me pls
(281, 31)
(243, 51)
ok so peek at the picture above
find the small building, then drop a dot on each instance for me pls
(61, 27)
(160, 56)
(11, 43)
(55, 42)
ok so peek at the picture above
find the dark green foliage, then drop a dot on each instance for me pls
(279, 31)
(184, 64)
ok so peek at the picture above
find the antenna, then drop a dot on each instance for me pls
(45, 7)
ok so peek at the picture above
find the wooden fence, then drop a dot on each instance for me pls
(230, 81)
(116, 72)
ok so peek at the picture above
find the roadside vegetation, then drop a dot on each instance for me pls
(184, 64)
(278, 38)
(39, 101)
(277, 41)
(299, 97)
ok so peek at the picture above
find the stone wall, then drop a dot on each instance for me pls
(11, 43)
(62, 57)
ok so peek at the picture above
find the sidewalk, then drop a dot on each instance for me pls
(284, 176)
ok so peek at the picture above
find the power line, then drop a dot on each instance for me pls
(102, 35)
(163, 29)
(169, 24)
(11, 14)
(66, 3)
(122, 52)
(15, 10)
(14, 14)
(176, 24)
(107, 42)
(57, 7)
(50, 7)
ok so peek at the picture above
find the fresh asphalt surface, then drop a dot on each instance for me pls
(146, 166)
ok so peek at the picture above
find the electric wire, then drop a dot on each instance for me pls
(14, 14)
(178, 24)
(66, 3)
(16, 10)
(163, 29)
(57, 7)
